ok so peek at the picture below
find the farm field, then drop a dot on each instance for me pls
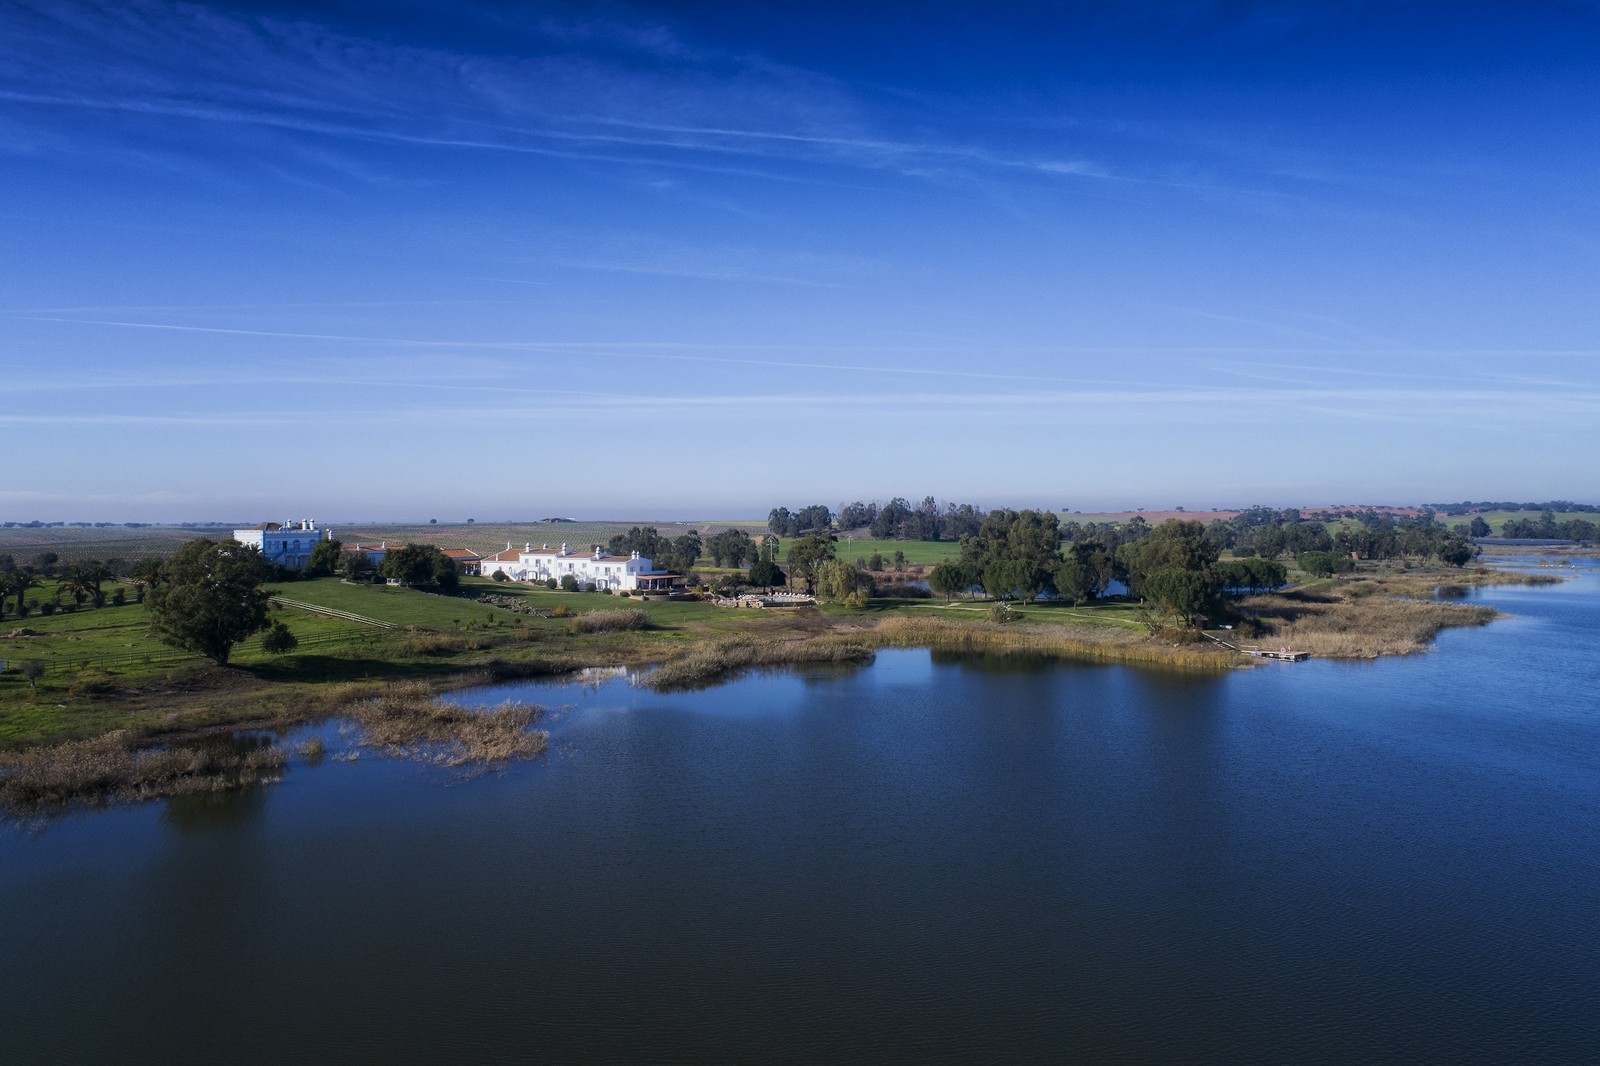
(1498, 518)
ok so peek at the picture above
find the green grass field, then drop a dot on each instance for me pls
(918, 552)
(1496, 519)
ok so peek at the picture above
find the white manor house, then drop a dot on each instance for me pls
(616, 572)
(289, 544)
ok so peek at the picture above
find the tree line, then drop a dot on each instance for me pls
(1547, 528)
(899, 519)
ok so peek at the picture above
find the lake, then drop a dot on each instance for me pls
(934, 858)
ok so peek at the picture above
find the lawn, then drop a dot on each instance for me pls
(917, 552)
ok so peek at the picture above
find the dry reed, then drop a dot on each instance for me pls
(111, 768)
(1092, 643)
(608, 621)
(721, 660)
(1362, 619)
(406, 720)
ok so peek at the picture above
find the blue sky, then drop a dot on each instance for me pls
(511, 260)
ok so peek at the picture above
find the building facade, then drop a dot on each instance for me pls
(615, 572)
(289, 544)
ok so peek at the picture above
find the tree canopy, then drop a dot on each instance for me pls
(208, 597)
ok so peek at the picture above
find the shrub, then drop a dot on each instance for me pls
(1003, 612)
(500, 575)
(279, 640)
(550, 583)
(569, 583)
(119, 597)
(561, 611)
(624, 594)
(91, 682)
(588, 586)
(47, 607)
(607, 621)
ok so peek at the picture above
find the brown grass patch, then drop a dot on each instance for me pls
(1092, 643)
(1362, 618)
(406, 720)
(721, 660)
(111, 768)
(610, 621)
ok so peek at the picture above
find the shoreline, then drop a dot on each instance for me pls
(1366, 615)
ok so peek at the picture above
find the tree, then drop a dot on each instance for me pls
(280, 640)
(1182, 593)
(948, 579)
(1005, 578)
(209, 598)
(766, 573)
(146, 572)
(856, 515)
(1456, 550)
(839, 581)
(807, 555)
(731, 547)
(1323, 564)
(1171, 545)
(357, 565)
(20, 581)
(1074, 582)
(32, 670)
(92, 573)
(1006, 534)
(685, 552)
(324, 558)
(412, 564)
(1478, 527)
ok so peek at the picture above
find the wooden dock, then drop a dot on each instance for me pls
(1283, 654)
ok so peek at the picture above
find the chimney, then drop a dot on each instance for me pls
(527, 545)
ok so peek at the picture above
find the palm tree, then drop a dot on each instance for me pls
(146, 572)
(92, 572)
(75, 584)
(18, 582)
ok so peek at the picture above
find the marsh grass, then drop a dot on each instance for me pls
(406, 720)
(1363, 618)
(113, 768)
(723, 659)
(1090, 643)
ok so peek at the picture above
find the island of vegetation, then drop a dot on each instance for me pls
(117, 676)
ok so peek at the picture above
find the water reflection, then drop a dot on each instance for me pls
(939, 857)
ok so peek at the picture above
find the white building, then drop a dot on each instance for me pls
(617, 572)
(287, 545)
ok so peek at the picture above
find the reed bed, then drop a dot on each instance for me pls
(725, 658)
(406, 720)
(1361, 621)
(1090, 643)
(112, 768)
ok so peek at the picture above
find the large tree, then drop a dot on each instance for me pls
(324, 558)
(807, 555)
(208, 598)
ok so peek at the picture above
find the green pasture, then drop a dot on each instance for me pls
(918, 552)
(1498, 518)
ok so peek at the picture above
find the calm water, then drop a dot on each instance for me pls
(933, 858)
